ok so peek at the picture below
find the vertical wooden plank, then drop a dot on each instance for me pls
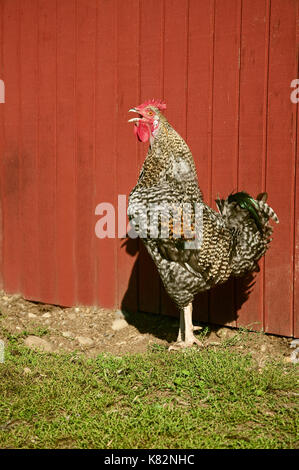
(30, 272)
(151, 79)
(105, 164)
(296, 195)
(175, 63)
(296, 246)
(1, 145)
(85, 149)
(200, 99)
(296, 224)
(225, 131)
(47, 148)
(253, 87)
(200, 88)
(65, 151)
(10, 157)
(128, 83)
(175, 84)
(280, 167)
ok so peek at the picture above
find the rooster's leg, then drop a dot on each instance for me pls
(181, 334)
(186, 336)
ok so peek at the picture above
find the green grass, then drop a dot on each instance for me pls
(35, 330)
(193, 399)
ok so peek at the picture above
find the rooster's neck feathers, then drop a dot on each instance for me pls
(169, 160)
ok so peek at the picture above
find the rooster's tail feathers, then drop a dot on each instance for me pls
(266, 209)
(257, 209)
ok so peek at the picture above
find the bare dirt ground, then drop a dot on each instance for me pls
(93, 330)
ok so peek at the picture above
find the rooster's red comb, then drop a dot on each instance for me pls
(155, 103)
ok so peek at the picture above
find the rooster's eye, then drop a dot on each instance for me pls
(150, 113)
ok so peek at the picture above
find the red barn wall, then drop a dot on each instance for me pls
(72, 69)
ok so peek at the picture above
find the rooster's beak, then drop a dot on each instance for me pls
(133, 110)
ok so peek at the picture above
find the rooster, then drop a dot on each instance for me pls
(194, 247)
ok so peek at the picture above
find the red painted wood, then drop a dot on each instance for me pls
(296, 256)
(10, 189)
(296, 208)
(200, 89)
(296, 233)
(85, 151)
(30, 273)
(1, 146)
(252, 127)
(225, 130)
(46, 141)
(65, 152)
(281, 167)
(72, 69)
(105, 145)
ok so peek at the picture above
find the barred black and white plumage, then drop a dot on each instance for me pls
(232, 239)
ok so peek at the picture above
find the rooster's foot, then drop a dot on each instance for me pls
(179, 345)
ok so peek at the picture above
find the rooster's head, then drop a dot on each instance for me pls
(147, 124)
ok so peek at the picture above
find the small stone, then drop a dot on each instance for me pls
(16, 296)
(222, 332)
(67, 334)
(119, 324)
(84, 340)
(138, 339)
(295, 356)
(77, 310)
(27, 371)
(18, 328)
(35, 342)
(31, 315)
(46, 315)
(263, 347)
